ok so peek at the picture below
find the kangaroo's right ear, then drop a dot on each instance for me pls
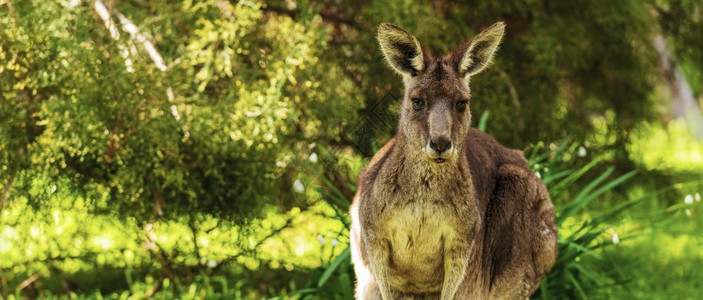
(401, 49)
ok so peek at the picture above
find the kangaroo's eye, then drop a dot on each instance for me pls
(461, 105)
(418, 103)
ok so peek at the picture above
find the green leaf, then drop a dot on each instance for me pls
(342, 257)
(483, 120)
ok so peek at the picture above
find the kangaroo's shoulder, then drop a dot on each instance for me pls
(483, 149)
(486, 156)
(370, 171)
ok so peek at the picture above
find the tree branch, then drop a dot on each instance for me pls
(333, 18)
(27, 282)
(6, 192)
(253, 249)
(194, 230)
(511, 87)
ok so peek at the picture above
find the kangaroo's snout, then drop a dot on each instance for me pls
(441, 144)
(440, 148)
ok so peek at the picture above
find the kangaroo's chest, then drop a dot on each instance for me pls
(418, 228)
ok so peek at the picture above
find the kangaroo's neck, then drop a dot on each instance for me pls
(411, 169)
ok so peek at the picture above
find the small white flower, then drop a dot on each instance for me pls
(73, 3)
(616, 238)
(298, 186)
(53, 188)
(581, 151)
(538, 175)
(321, 239)
(688, 199)
(211, 263)
(313, 157)
(688, 212)
(335, 242)
(698, 197)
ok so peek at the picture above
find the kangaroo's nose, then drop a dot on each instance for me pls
(440, 144)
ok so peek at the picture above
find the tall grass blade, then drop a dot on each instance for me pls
(483, 121)
(342, 257)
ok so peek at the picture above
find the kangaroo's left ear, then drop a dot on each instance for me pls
(476, 54)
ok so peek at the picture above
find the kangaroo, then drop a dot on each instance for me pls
(443, 211)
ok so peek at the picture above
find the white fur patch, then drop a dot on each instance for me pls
(417, 61)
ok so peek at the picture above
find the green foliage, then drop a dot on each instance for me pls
(241, 93)
(571, 278)
(653, 147)
(209, 149)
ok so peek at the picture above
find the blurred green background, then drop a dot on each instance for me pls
(210, 149)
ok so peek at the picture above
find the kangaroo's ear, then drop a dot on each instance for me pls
(401, 49)
(476, 54)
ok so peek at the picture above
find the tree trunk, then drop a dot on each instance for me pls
(683, 103)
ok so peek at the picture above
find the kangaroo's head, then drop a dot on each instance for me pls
(434, 114)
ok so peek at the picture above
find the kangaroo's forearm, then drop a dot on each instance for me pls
(378, 263)
(455, 264)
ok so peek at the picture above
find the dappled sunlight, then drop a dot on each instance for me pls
(211, 149)
(309, 240)
(672, 148)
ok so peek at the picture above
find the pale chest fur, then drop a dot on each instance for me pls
(418, 223)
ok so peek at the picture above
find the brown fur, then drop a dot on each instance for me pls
(469, 222)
